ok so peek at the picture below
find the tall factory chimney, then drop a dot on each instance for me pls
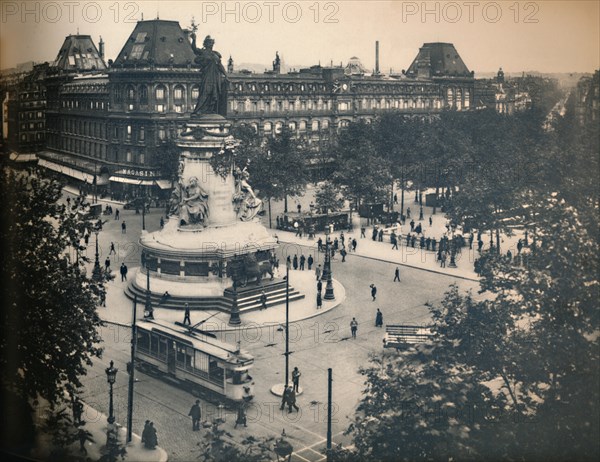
(377, 57)
(101, 48)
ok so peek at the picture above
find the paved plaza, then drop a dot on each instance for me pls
(318, 340)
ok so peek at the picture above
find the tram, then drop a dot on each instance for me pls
(193, 359)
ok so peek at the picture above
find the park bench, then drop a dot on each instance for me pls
(400, 336)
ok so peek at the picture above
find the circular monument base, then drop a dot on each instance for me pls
(277, 389)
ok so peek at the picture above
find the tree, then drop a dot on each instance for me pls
(49, 324)
(220, 448)
(360, 171)
(286, 163)
(513, 373)
(326, 197)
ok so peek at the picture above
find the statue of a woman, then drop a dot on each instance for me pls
(194, 206)
(213, 83)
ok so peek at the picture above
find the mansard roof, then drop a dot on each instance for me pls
(441, 58)
(157, 42)
(78, 53)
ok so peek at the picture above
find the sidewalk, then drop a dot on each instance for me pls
(96, 423)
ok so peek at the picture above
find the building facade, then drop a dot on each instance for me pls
(110, 125)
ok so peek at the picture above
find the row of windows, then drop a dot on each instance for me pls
(31, 137)
(33, 126)
(139, 95)
(75, 104)
(280, 87)
(84, 127)
(31, 115)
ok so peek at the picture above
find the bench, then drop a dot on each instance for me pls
(399, 336)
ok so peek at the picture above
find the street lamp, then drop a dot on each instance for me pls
(111, 376)
(148, 310)
(329, 295)
(279, 389)
(97, 272)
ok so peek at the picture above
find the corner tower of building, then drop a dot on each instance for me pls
(158, 43)
(78, 53)
(438, 60)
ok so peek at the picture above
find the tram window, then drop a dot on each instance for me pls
(189, 358)
(237, 377)
(154, 345)
(215, 372)
(162, 348)
(143, 341)
(201, 361)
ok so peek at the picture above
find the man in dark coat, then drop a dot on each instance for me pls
(196, 414)
(310, 262)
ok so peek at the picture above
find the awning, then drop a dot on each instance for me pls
(121, 179)
(20, 157)
(69, 171)
(164, 184)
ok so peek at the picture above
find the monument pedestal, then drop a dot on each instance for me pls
(211, 236)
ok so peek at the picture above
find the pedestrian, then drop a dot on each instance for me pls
(413, 240)
(263, 300)
(320, 245)
(310, 262)
(291, 401)
(422, 242)
(408, 239)
(196, 414)
(394, 241)
(162, 223)
(354, 244)
(117, 214)
(123, 271)
(107, 264)
(412, 225)
(151, 438)
(427, 243)
(471, 237)
(297, 228)
(145, 432)
(407, 212)
(397, 274)
(319, 299)
(295, 262)
(443, 263)
(285, 397)
(302, 261)
(123, 228)
(379, 318)
(343, 253)
(373, 291)
(342, 238)
(430, 221)
(186, 318)
(374, 235)
(112, 249)
(395, 198)
(336, 244)
(86, 238)
(299, 208)
(433, 244)
(421, 213)
(353, 327)
(519, 246)
(362, 232)
(509, 255)
(381, 235)
(296, 379)
(77, 411)
(480, 246)
(241, 415)
(318, 272)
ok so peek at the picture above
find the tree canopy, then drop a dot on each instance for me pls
(49, 322)
(511, 373)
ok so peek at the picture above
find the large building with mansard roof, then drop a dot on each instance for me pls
(108, 122)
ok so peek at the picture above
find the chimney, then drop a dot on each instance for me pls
(101, 48)
(377, 57)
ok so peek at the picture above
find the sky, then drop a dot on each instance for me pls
(544, 36)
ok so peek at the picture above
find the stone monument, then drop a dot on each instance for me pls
(213, 243)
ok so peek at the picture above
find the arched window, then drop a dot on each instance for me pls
(143, 94)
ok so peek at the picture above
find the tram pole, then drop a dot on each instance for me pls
(287, 325)
(329, 403)
(131, 372)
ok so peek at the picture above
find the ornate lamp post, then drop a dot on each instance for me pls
(111, 376)
(452, 263)
(329, 295)
(148, 310)
(97, 272)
